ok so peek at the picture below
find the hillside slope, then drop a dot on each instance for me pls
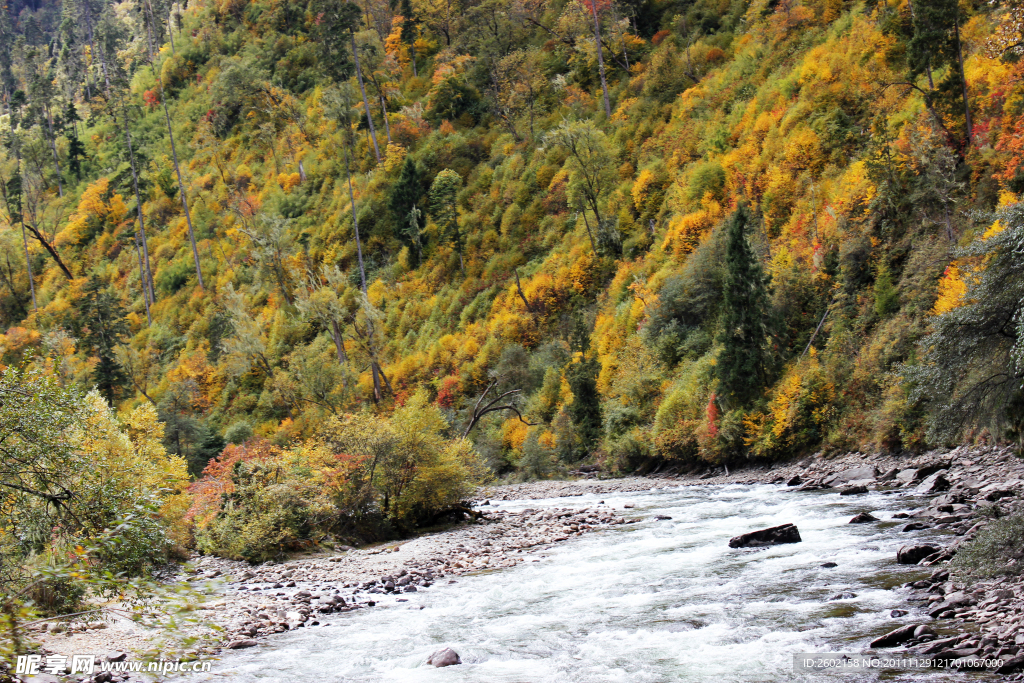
(732, 263)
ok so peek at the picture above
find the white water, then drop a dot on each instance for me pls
(645, 603)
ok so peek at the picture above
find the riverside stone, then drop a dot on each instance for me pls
(853, 474)
(445, 657)
(853, 491)
(894, 638)
(934, 483)
(912, 554)
(863, 518)
(241, 644)
(784, 533)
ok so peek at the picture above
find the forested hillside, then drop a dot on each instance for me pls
(624, 232)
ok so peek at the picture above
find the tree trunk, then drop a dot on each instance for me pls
(142, 277)
(384, 111)
(147, 273)
(174, 158)
(28, 267)
(593, 245)
(600, 60)
(49, 248)
(362, 273)
(181, 189)
(339, 343)
(366, 102)
(412, 54)
(53, 148)
(963, 82)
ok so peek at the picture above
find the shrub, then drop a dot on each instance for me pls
(997, 549)
(362, 476)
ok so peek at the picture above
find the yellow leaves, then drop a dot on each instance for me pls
(98, 210)
(394, 156)
(685, 232)
(16, 339)
(803, 151)
(583, 272)
(393, 44)
(513, 433)
(951, 291)
(288, 180)
(448, 66)
(642, 188)
(621, 112)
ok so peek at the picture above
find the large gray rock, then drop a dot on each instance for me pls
(853, 491)
(785, 533)
(934, 483)
(894, 638)
(912, 554)
(1011, 665)
(865, 472)
(445, 657)
(863, 518)
(241, 644)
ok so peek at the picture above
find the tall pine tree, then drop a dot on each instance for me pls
(934, 45)
(103, 328)
(742, 364)
(585, 409)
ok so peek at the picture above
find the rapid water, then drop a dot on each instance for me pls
(656, 601)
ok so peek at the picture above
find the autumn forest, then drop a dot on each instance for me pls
(321, 267)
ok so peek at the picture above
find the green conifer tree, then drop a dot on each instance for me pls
(585, 409)
(103, 328)
(405, 195)
(443, 194)
(742, 364)
(934, 45)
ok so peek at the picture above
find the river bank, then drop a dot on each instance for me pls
(250, 603)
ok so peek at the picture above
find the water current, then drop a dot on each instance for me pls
(650, 602)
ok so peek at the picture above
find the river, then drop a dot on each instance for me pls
(655, 601)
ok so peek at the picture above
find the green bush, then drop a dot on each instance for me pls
(997, 549)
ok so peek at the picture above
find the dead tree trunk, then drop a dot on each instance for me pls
(366, 102)
(600, 60)
(492, 407)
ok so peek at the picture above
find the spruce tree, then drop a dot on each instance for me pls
(585, 409)
(443, 194)
(405, 195)
(934, 45)
(76, 150)
(742, 364)
(103, 328)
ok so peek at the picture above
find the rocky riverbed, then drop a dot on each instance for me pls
(980, 620)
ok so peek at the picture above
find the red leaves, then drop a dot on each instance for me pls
(712, 412)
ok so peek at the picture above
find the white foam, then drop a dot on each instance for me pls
(656, 601)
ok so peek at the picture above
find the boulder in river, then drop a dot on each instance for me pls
(853, 491)
(894, 638)
(866, 472)
(241, 644)
(912, 554)
(934, 483)
(1011, 665)
(785, 533)
(863, 518)
(445, 657)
